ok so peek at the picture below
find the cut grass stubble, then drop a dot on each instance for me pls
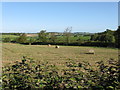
(57, 56)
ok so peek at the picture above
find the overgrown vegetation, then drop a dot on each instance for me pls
(27, 74)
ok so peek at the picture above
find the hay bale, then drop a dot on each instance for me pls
(57, 46)
(49, 45)
(91, 52)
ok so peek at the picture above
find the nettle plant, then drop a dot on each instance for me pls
(83, 75)
(28, 74)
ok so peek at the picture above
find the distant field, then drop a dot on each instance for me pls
(10, 36)
(72, 38)
(12, 52)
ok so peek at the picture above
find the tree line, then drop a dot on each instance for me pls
(108, 38)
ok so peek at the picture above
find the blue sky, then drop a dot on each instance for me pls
(119, 13)
(56, 16)
(0, 17)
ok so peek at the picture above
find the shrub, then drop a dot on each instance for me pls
(27, 74)
(7, 39)
(22, 38)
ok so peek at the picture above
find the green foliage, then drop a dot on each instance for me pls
(103, 38)
(22, 38)
(7, 39)
(83, 74)
(66, 38)
(31, 40)
(94, 37)
(67, 34)
(27, 74)
(11, 34)
(108, 36)
(80, 40)
(117, 37)
(42, 36)
(53, 38)
(108, 31)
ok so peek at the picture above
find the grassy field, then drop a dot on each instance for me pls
(73, 39)
(59, 38)
(10, 36)
(12, 52)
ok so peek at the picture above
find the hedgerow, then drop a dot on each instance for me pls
(27, 74)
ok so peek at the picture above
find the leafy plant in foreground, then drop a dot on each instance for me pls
(27, 74)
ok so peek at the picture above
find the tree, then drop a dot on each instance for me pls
(117, 37)
(102, 38)
(42, 36)
(22, 38)
(67, 34)
(31, 40)
(108, 31)
(80, 40)
(94, 37)
(109, 38)
(53, 38)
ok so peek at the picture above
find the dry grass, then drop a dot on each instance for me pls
(13, 52)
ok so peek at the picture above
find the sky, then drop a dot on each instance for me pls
(0, 17)
(60, 0)
(31, 17)
(118, 13)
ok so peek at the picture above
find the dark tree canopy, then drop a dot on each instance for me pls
(107, 36)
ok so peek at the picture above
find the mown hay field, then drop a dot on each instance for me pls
(58, 56)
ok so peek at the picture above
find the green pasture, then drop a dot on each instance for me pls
(12, 37)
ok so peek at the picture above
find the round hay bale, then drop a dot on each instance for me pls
(49, 45)
(57, 46)
(91, 51)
